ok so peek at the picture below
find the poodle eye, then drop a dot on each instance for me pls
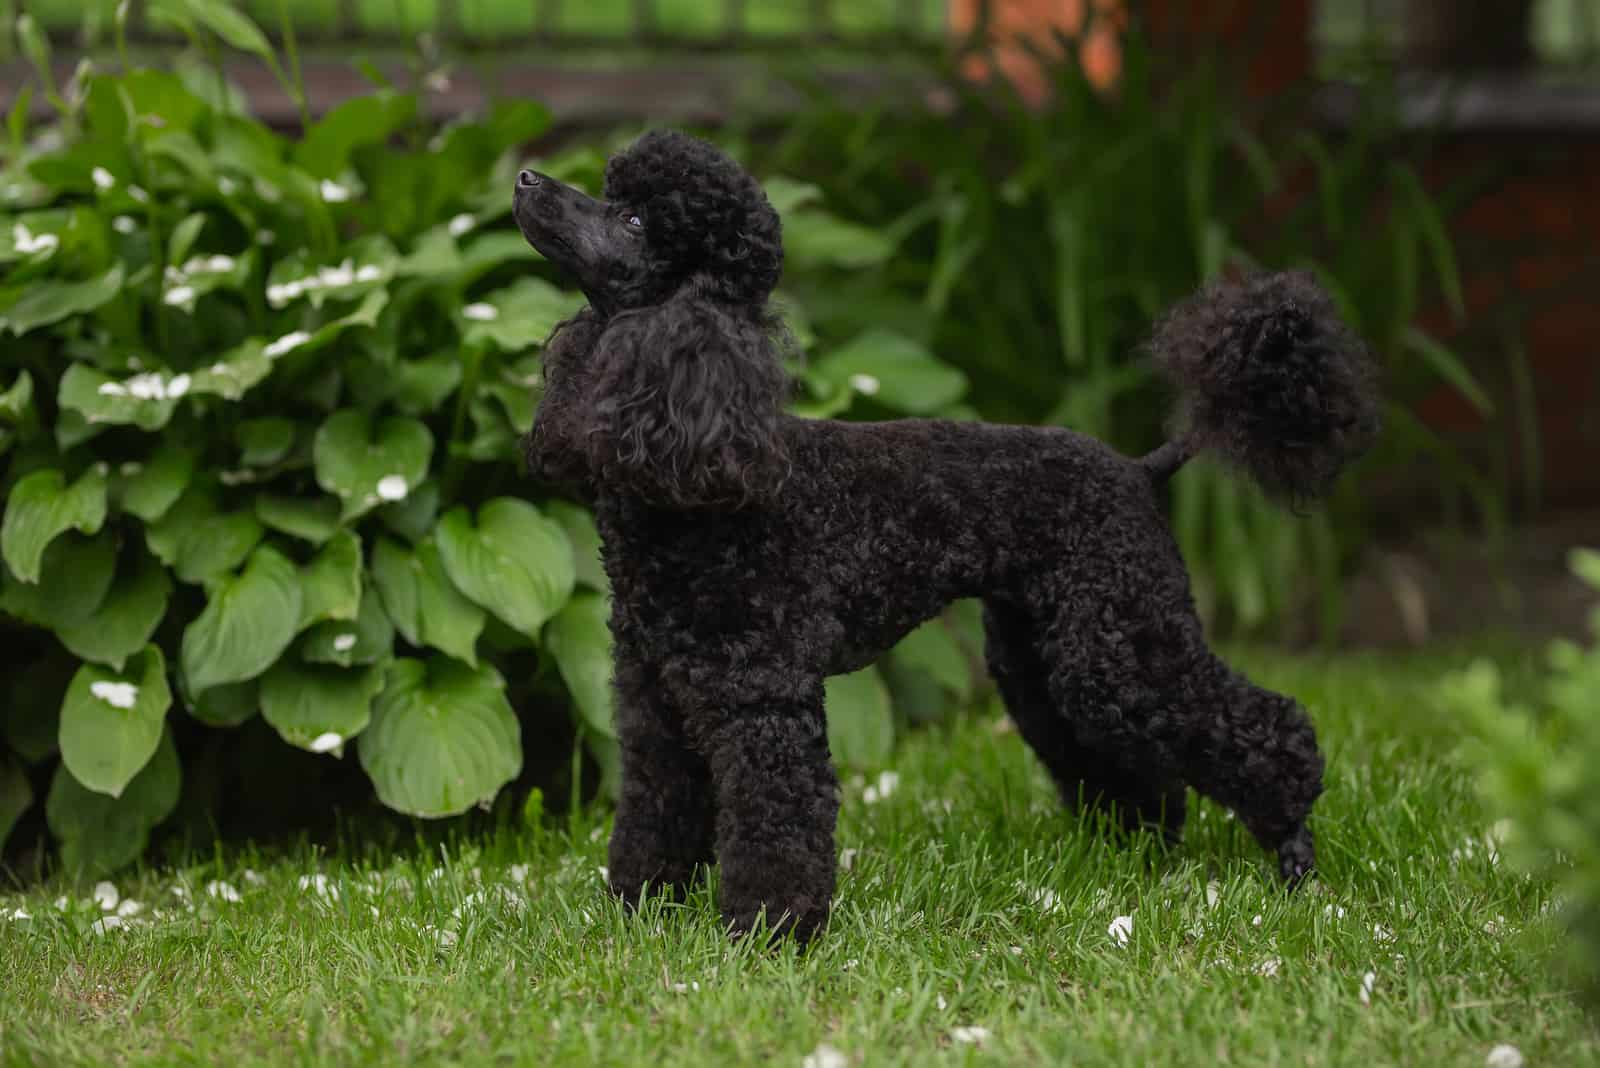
(633, 221)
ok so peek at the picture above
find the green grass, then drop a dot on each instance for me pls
(970, 902)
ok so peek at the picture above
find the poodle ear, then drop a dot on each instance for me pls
(686, 399)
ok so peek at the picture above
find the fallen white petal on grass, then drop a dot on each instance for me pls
(320, 885)
(1255, 921)
(1121, 930)
(847, 859)
(129, 907)
(115, 694)
(971, 1036)
(1504, 1055)
(253, 877)
(16, 914)
(1368, 981)
(941, 1003)
(1382, 933)
(105, 895)
(888, 782)
(223, 891)
(1269, 967)
(824, 1056)
(107, 923)
(481, 312)
(1213, 894)
(519, 873)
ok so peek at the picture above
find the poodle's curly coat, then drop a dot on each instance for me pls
(752, 553)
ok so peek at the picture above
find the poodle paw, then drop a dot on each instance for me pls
(634, 891)
(1296, 857)
(802, 928)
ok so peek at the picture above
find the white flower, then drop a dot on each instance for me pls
(1121, 930)
(370, 273)
(480, 312)
(222, 891)
(1269, 967)
(147, 387)
(102, 179)
(824, 1056)
(336, 277)
(333, 192)
(179, 296)
(847, 859)
(684, 988)
(26, 242)
(865, 384)
(971, 1036)
(178, 386)
(1368, 981)
(105, 895)
(887, 782)
(1333, 911)
(117, 695)
(1382, 933)
(266, 190)
(254, 878)
(106, 923)
(343, 643)
(124, 224)
(1213, 893)
(519, 873)
(320, 885)
(282, 293)
(393, 488)
(292, 340)
(18, 914)
(1256, 920)
(227, 186)
(461, 224)
(129, 907)
(328, 742)
(1504, 1055)
(139, 195)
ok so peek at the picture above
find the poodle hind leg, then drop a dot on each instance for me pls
(1086, 779)
(665, 821)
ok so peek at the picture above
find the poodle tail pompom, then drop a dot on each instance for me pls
(1271, 380)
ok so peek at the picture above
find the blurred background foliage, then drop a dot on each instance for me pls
(262, 386)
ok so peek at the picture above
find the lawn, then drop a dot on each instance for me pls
(973, 926)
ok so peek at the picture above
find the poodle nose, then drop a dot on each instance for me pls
(529, 180)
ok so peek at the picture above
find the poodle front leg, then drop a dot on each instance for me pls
(777, 804)
(665, 818)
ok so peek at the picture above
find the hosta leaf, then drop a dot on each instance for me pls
(519, 316)
(786, 194)
(41, 507)
(125, 620)
(893, 370)
(318, 707)
(16, 403)
(419, 387)
(100, 834)
(44, 302)
(264, 442)
(367, 641)
(313, 519)
(818, 239)
(580, 641)
(16, 796)
(73, 581)
(585, 539)
(324, 151)
(30, 707)
(413, 518)
(442, 738)
(421, 601)
(112, 721)
(515, 562)
(235, 373)
(860, 721)
(199, 542)
(151, 488)
(331, 584)
(146, 400)
(364, 465)
(247, 623)
(932, 649)
(227, 706)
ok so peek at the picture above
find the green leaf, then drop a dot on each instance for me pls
(442, 739)
(368, 641)
(419, 387)
(111, 722)
(146, 401)
(519, 316)
(264, 442)
(1585, 563)
(585, 540)
(860, 721)
(41, 507)
(199, 542)
(413, 518)
(580, 641)
(786, 194)
(313, 519)
(818, 239)
(233, 26)
(184, 235)
(1448, 366)
(44, 302)
(16, 403)
(421, 601)
(100, 834)
(324, 151)
(227, 706)
(73, 581)
(125, 621)
(30, 707)
(247, 623)
(893, 370)
(238, 371)
(316, 707)
(364, 466)
(16, 796)
(516, 563)
(331, 583)
(155, 486)
(931, 648)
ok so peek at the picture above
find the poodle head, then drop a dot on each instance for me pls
(676, 214)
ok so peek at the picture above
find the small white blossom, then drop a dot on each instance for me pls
(1213, 893)
(393, 488)
(1121, 930)
(105, 895)
(847, 859)
(343, 643)
(223, 891)
(102, 179)
(266, 191)
(481, 313)
(324, 743)
(138, 194)
(461, 224)
(178, 386)
(824, 1056)
(117, 695)
(868, 385)
(369, 273)
(253, 877)
(971, 1036)
(519, 873)
(1255, 921)
(333, 192)
(320, 885)
(227, 186)
(292, 340)
(124, 224)
(27, 242)
(1504, 1055)
(888, 782)
(17, 914)
(1368, 981)
(1269, 967)
(1382, 933)
(106, 923)
(266, 237)
(336, 277)
(129, 907)
(179, 296)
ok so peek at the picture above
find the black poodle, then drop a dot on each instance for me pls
(752, 553)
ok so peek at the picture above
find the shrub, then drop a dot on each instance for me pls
(259, 405)
(1537, 772)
